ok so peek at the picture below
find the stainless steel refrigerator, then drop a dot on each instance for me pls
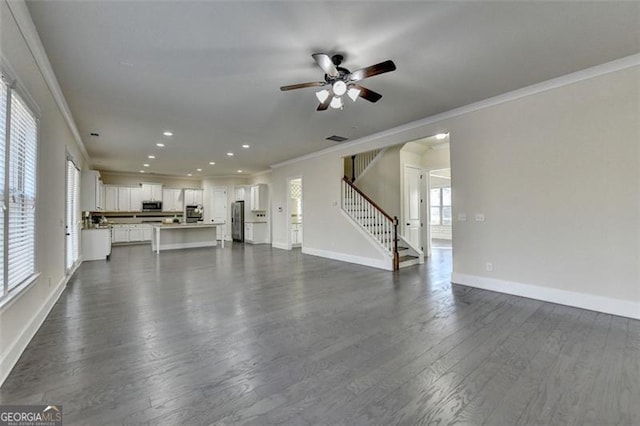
(237, 221)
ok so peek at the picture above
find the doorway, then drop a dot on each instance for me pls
(72, 216)
(440, 212)
(295, 211)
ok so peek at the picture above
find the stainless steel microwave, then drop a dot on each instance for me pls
(152, 206)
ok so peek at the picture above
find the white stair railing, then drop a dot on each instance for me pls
(371, 218)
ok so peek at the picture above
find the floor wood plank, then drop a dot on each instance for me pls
(254, 335)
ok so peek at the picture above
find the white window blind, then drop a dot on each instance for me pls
(22, 192)
(73, 219)
(3, 144)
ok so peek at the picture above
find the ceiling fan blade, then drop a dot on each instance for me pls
(376, 69)
(324, 105)
(326, 64)
(303, 85)
(367, 94)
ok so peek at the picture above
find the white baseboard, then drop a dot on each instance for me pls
(31, 328)
(591, 302)
(366, 261)
(175, 246)
(281, 246)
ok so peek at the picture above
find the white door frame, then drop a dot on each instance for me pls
(288, 208)
(227, 208)
(404, 197)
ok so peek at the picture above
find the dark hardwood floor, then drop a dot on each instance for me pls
(254, 335)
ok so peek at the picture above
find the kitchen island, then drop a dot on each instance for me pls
(184, 235)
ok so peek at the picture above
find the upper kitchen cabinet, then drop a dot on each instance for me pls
(239, 192)
(152, 192)
(111, 198)
(135, 199)
(122, 198)
(193, 197)
(91, 197)
(172, 200)
(259, 197)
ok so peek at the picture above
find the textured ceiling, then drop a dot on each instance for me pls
(211, 71)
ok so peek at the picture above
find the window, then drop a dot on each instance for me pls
(18, 146)
(440, 199)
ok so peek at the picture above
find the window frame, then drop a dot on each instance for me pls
(441, 206)
(13, 87)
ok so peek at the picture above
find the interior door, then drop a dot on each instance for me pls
(219, 209)
(411, 220)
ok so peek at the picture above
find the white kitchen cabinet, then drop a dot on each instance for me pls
(248, 232)
(296, 234)
(110, 198)
(120, 234)
(240, 193)
(91, 191)
(259, 197)
(135, 200)
(172, 200)
(147, 232)
(124, 198)
(96, 244)
(152, 192)
(135, 233)
(255, 233)
(193, 197)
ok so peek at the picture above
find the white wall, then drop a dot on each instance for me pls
(555, 170)
(21, 318)
(381, 182)
(111, 178)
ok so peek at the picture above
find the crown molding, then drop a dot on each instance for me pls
(28, 30)
(554, 83)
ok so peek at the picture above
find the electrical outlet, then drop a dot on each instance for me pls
(479, 217)
(489, 267)
(462, 217)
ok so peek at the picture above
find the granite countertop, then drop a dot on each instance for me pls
(185, 225)
(255, 221)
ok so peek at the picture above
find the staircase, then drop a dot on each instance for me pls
(362, 162)
(379, 225)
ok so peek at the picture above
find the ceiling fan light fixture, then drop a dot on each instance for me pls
(339, 88)
(336, 102)
(353, 93)
(322, 95)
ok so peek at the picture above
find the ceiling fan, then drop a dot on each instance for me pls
(342, 81)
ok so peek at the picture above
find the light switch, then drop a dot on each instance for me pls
(479, 217)
(462, 217)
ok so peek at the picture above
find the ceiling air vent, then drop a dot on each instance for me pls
(337, 138)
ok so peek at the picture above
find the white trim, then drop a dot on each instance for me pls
(591, 302)
(263, 172)
(366, 261)
(281, 246)
(373, 162)
(598, 70)
(30, 34)
(17, 347)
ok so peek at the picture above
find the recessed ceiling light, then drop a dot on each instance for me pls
(189, 174)
(441, 136)
(198, 170)
(146, 164)
(239, 171)
(245, 146)
(212, 162)
(168, 133)
(230, 154)
(141, 171)
(161, 145)
(151, 156)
